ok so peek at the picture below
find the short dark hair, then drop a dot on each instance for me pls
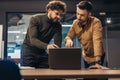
(85, 5)
(56, 5)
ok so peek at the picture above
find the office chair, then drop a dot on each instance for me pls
(9, 70)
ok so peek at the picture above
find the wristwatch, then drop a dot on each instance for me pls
(98, 62)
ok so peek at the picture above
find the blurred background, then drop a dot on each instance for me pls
(15, 15)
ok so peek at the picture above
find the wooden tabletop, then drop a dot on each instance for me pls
(84, 73)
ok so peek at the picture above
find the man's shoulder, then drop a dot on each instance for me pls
(75, 21)
(95, 19)
(38, 15)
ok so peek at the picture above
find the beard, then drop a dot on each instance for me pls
(82, 23)
(55, 19)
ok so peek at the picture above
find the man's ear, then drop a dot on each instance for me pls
(48, 10)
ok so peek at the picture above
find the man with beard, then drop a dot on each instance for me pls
(42, 28)
(88, 29)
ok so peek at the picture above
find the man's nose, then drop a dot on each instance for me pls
(79, 17)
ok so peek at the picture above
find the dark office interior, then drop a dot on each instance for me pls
(108, 11)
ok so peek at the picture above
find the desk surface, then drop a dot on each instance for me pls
(51, 73)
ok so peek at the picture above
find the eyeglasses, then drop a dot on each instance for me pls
(58, 13)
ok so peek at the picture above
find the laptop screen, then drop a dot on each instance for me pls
(64, 58)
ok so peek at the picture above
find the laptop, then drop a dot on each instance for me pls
(64, 58)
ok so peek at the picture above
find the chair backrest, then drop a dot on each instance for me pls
(9, 70)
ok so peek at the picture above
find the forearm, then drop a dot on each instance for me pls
(39, 44)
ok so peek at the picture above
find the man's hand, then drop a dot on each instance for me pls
(69, 43)
(49, 46)
(97, 66)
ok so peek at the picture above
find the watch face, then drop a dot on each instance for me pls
(98, 62)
